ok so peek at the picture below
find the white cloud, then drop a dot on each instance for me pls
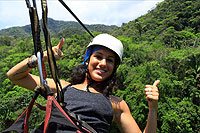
(113, 12)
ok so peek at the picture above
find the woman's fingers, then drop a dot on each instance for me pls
(151, 91)
(156, 83)
(57, 49)
(60, 44)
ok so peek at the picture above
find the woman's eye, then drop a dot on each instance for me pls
(110, 60)
(98, 57)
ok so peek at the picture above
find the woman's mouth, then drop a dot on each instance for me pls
(101, 71)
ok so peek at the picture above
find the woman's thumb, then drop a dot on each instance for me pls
(60, 44)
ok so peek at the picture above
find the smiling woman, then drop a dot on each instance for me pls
(89, 93)
(15, 12)
(102, 64)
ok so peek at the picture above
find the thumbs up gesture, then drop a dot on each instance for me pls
(57, 49)
(152, 94)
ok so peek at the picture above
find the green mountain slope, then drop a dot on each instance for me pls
(175, 23)
(57, 28)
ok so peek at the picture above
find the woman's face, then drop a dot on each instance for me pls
(101, 64)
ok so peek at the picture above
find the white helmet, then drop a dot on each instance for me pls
(110, 42)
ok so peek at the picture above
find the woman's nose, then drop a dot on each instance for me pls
(103, 62)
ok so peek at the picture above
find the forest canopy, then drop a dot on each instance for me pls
(163, 44)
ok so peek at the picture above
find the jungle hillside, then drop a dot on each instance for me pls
(163, 44)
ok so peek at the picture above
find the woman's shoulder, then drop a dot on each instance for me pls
(118, 103)
(64, 83)
(115, 99)
(119, 106)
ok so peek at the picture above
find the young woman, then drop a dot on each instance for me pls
(89, 92)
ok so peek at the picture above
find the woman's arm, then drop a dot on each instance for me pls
(124, 119)
(20, 74)
(152, 96)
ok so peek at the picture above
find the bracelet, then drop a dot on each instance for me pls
(32, 61)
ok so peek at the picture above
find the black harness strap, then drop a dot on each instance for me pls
(34, 26)
(51, 58)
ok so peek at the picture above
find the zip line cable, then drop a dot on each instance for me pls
(63, 3)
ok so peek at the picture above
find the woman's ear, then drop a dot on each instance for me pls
(86, 65)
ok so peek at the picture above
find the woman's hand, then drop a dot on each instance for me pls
(152, 94)
(56, 50)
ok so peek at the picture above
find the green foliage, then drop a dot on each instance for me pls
(173, 23)
(6, 40)
(163, 44)
(179, 116)
(13, 103)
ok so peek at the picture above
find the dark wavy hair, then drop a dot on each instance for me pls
(78, 76)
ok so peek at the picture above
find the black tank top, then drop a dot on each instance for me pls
(93, 108)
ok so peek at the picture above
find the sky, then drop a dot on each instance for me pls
(108, 12)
